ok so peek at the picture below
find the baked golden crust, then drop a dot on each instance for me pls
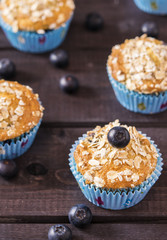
(140, 64)
(30, 15)
(20, 109)
(113, 168)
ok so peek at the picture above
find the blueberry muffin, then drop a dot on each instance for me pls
(118, 161)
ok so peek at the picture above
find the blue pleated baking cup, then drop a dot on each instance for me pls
(138, 102)
(152, 6)
(33, 42)
(15, 147)
(114, 199)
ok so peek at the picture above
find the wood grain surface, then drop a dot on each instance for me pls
(94, 232)
(44, 190)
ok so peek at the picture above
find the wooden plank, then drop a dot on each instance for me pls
(93, 232)
(30, 198)
(95, 101)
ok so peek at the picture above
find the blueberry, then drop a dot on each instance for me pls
(118, 137)
(59, 232)
(94, 22)
(150, 28)
(59, 58)
(80, 215)
(8, 168)
(7, 68)
(69, 84)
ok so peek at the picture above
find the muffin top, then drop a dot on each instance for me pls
(20, 109)
(40, 15)
(108, 167)
(140, 64)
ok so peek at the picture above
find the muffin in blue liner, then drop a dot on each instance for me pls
(21, 114)
(152, 6)
(14, 148)
(137, 71)
(34, 42)
(114, 199)
(138, 102)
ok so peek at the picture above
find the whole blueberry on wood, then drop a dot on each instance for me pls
(94, 22)
(8, 168)
(80, 215)
(7, 68)
(151, 29)
(59, 58)
(59, 232)
(69, 84)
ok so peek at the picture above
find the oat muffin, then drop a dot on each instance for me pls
(20, 114)
(106, 166)
(45, 20)
(115, 177)
(30, 15)
(140, 64)
(139, 67)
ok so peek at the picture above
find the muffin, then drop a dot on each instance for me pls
(20, 118)
(158, 7)
(137, 70)
(115, 165)
(36, 26)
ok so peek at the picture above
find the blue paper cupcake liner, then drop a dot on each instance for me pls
(137, 102)
(33, 42)
(152, 6)
(114, 199)
(15, 147)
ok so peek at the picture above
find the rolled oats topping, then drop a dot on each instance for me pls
(38, 15)
(140, 64)
(20, 109)
(105, 166)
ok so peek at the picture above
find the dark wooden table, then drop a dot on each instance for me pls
(45, 189)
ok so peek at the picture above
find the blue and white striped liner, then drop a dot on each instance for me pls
(114, 199)
(158, 7)
(137, 102)
(15, 147)
(33, 42)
